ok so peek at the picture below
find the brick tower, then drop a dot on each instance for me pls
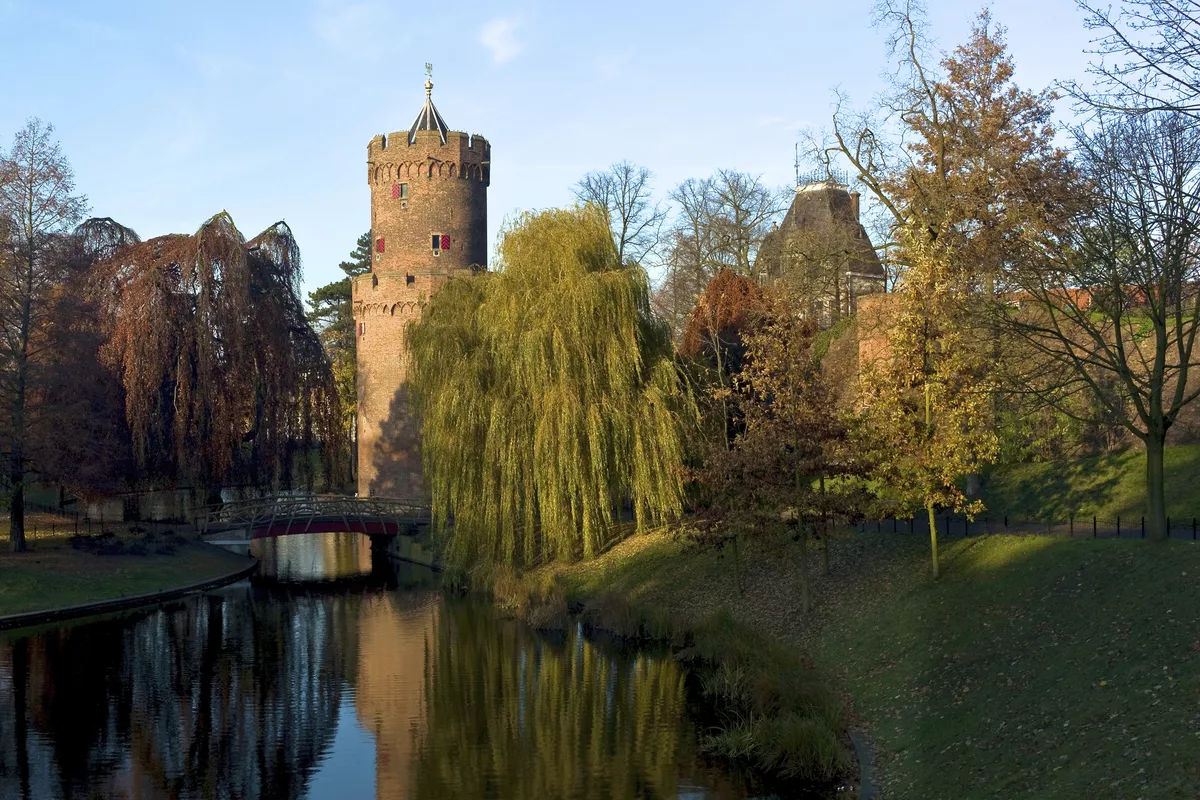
(428, 223)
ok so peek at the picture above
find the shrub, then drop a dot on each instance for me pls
(799, 747)
(612, 613)
(111, 546)
(81, 541)
(737, 743)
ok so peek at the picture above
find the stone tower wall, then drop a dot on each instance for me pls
(446, 195)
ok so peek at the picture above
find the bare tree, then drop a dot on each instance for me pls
(623, 192)
(1110, 319)
(741, 213)
(817, 268)
(720, 223)
(1151, 49)
(38, 203)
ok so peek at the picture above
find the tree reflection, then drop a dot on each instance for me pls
(215, 698)
(238, 694)
(510, 714)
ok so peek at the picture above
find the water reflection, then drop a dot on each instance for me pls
(313, 557)
(266, 691)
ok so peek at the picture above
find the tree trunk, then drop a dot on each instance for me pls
(933, 539)
(16, 508)
(805, 592)
(1156, 517)
(933, 544)
(824, 531)
(16, 505)
(737, 570)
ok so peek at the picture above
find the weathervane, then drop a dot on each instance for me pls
(428, 79)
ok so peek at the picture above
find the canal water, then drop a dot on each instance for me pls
(331, 675)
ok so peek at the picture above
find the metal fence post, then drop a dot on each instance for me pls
(1093, 526)
(1006, 523)
(1143, 527)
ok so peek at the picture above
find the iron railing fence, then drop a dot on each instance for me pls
(1132, 527)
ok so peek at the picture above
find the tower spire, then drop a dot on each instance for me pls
(428, 119)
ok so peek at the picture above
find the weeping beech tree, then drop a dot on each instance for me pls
(548, 397)
(224, 379)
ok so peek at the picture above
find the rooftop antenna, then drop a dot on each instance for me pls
(827, 174)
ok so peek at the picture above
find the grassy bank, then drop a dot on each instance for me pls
(55, 574)
(1037, 667)
(1106, 486)
(771, 714)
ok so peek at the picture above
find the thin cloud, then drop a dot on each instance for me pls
(499, 37)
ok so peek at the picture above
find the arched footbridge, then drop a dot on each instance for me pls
(260, 518)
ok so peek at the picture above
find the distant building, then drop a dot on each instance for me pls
(822, 250)
(428, 223)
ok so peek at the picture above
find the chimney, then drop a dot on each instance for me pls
(854, 201)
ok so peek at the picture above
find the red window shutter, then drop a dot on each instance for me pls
(379, 245)
(395, 191)
(445, 242)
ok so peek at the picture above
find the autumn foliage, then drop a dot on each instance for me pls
(224, 380)
(725, 312)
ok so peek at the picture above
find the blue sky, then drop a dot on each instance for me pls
(171, 112)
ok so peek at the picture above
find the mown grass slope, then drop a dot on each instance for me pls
(1037, 667)
(53, 574)
(1106, 486)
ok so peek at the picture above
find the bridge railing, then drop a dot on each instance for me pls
(255, 512)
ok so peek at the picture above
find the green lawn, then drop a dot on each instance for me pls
(1107, 486)
(1037, 667)
(53, 574)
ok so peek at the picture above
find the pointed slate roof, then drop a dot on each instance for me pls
(428, 119)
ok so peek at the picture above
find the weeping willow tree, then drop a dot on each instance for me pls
(548, 397)
(224, 379)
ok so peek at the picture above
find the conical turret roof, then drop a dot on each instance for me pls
(428, 119)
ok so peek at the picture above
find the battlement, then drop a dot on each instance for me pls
(395, 145)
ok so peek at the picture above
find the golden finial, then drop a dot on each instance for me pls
(428, 79)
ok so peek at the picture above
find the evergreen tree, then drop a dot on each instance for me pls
(331, 315)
